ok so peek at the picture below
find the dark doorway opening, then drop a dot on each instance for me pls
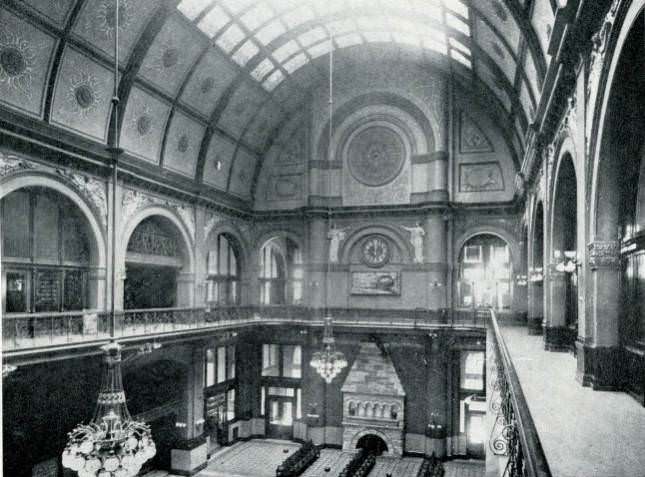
(372, 444)
(149, 286)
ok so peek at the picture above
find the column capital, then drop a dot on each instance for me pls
(604, 254)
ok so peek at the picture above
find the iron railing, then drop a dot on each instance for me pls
(514, 434)
(23, 331)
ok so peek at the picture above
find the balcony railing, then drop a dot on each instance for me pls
(513, 435)
(25, 331)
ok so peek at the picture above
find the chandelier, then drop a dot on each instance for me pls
(328, 362)
(112, 444)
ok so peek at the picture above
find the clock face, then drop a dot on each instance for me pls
(376, 251)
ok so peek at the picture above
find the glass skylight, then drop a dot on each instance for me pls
(245, 29)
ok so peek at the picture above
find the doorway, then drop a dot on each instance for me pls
(372, 444)
(281, 408)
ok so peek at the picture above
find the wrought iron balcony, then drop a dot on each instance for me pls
(513, 436)
(33, 332)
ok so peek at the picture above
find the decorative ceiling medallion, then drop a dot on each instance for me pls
(106, 16)
(498, 51)
(207, 85)
(375, 251)
(170, 57)
(17, 60)
(183, 143)
(376, 156)
(83, 93)
(500, 11)
(144, 124)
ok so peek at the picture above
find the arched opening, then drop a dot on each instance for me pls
(47, 251)
(281, 272)
(485, 273)
(564, 278)
(372, 444)
(536, 273)
(223, 270)
(154, 260)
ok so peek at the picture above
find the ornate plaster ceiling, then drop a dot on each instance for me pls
(217, 78)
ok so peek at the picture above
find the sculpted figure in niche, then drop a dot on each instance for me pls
(416, 239)
(336, 236)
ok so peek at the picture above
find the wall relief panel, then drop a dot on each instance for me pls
(471, 138)
(481, 177)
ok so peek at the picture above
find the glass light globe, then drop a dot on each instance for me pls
(67, 458)
(111, 463)
(104, 473)
(121, 473)
(78, 462)
(92, 465)
(86, 473)
(127, 460)
(86, 446)
(132, 442)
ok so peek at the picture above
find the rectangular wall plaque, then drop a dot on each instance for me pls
(376, 283)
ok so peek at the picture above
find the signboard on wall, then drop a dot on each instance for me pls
(381, 283)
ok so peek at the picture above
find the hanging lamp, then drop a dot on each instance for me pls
(112, 444)
(329, 362)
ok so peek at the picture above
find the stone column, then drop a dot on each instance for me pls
(438, 176)
(555, 331)
(436, 259)
(185, 288)
(317, 261)
(201, 254)
(599, 353)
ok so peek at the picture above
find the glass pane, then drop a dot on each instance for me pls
(273, 80)
(231, 362)
(270, 364)
(47, 292)
(296, 62)
(233, 258)
(223, 256)
(247, 51)
(213, 21)
(285, 392)
(192, 8)
(476, 431)
(231, 37)
(262, 69)
(230, 404)
(298, 403)
(15, 225)
(286, 50)
(210, 367)
(292, 361)
(221, 364)
(287, 413)
(74, 296)
(472, 370)
(312, 36)
(17, 292)
(270, 32)
(263, 397)
(212, 262)
(257, 15)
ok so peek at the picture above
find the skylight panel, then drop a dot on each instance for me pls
(296, 62)
(434, 43)
(213, 21)
(262, 69)
(377, 36)
(320, 49)
(349, 39)
(461, 58)
(341, 26)
(230, 38)
(459, 46)
(236, 6)
(298, 16)
(286, 50)
(429, 9)
(457, 6)
(376, 23)
(273, 80)
(402, 24)
(192, 8)
(245, 52)
(270, 32)
(256, 16)
(406, 38)
(457, 23)
(312, 36)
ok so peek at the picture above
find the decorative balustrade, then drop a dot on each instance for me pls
(513, 434)
(24, 331)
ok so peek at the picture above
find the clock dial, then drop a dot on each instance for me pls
(376, 251)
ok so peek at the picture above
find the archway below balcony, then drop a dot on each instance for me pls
(372, 444)
(484, 273)
(561, 328)
(157, 264)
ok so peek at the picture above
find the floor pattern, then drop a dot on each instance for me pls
(464, 468)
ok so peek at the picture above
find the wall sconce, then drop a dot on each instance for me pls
(436, 284)
(435, 429)
(570, 262)
(521, 280)
(536, 275)
(180, 425)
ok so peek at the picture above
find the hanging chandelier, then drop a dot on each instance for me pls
(328, 362)
(112, 444)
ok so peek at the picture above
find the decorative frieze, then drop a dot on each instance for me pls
(11, 164)
(212, 219)
(604, 254)
(134, 201)
(91, 189)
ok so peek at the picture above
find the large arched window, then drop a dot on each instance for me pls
(223, 272)
(45, 252)
(281, 272)
(485, 272)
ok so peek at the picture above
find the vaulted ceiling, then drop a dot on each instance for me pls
(194, 72)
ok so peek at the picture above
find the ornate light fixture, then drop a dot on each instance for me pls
(536, 275)
(569, 263)
(329, 362)
(521, 280)
(112, 444)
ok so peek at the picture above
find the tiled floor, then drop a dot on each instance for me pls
(464, 468)
(583, 432)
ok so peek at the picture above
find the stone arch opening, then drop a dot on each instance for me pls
(484, 272)
(281, 271)
(223, 269)
(372, 444)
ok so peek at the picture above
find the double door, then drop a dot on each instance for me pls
(281, 408)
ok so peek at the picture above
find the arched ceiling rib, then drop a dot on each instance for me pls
(237, 69)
